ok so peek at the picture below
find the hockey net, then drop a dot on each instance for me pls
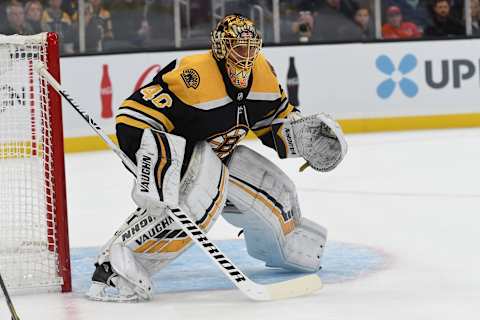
(34, 249)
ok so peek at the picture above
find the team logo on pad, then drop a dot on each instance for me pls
(191, 78)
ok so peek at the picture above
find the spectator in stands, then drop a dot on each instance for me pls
(3, 17)
(98, 25)
(103, 18)
(396, 28)
(160, 16)
(129, 23)
(34, 12)
(304, 26)
(54, 19)
(16, 23)
(70, 7)
(415, 11)
(444, 25)
(332, 22)
(363, 22)
(475, 13)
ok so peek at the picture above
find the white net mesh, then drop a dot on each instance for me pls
(28, 252)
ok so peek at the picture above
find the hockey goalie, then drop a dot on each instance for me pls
(182, 131)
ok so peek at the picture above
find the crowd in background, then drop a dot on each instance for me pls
(112, 25)
(109, 24)
(333, 20)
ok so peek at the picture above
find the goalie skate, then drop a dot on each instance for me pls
(108, 286)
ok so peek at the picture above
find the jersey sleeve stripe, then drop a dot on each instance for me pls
(154, 114)
(209, 105)
(261, 132)
(267, 121)
(263, 96)
(139, 116)
(284, 114)
(132, 122)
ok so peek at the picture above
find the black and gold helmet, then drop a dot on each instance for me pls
(236, 40)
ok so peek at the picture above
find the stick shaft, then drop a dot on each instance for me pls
(225, 265)
(296, 287)
(54, 83)
(9, 301)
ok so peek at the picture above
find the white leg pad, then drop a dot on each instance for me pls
(270, 215)
(153, 237)
(204, 187)
(124, 263)
(159, 163)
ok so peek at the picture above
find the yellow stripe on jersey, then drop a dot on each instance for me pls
(131, 122)
(261, 132)
(284, 113)
(264, 80)
(153, 114)
(206, 88)
(281, 115)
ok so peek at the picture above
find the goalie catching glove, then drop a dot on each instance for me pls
(316, 138)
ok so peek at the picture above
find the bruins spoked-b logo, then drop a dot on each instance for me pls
(191, 78)
(224, 143)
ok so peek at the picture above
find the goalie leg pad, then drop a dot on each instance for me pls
(203, 192)
(159, 163)
(270, 215)
(126, 266)
(152, 235)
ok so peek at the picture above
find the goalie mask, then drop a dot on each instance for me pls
(236, 41)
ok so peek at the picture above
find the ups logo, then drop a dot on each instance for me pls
(191, 78)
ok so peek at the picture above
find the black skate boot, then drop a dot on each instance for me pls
(108, 286)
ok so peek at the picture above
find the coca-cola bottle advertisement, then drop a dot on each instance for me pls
(292, 83)
(106, 93)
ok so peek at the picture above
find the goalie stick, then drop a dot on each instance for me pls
(9, 301)
(285, 289)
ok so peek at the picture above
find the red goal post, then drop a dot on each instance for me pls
(34, 246)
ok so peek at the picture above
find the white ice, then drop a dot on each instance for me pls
(412, 195)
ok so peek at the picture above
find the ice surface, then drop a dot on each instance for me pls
(193, 271)
(413, 196)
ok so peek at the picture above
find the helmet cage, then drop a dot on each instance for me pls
(241, 52)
